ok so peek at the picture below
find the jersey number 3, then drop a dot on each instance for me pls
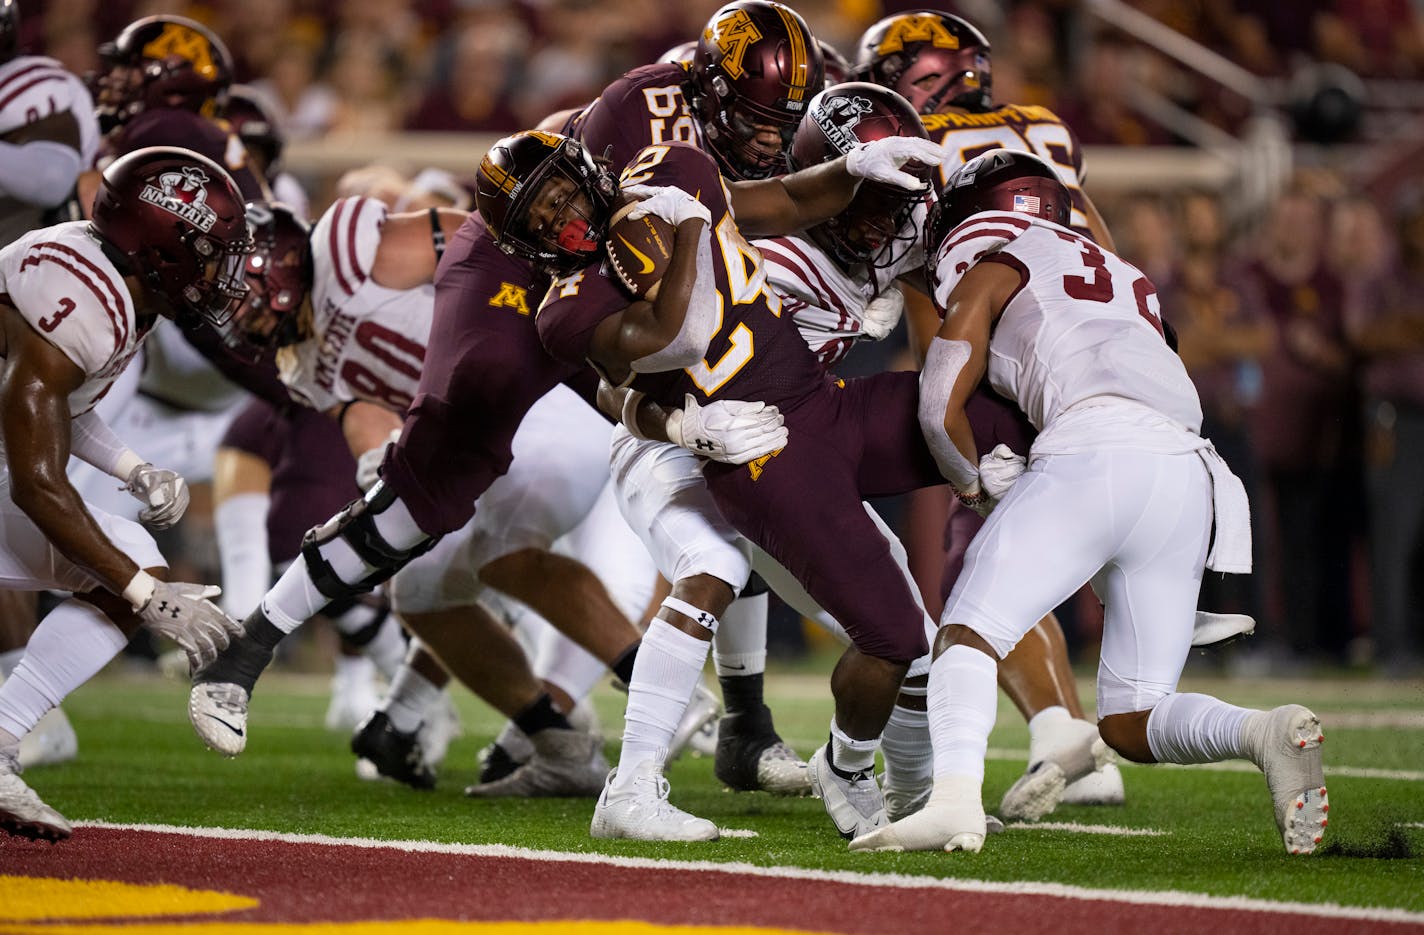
(1098, 287)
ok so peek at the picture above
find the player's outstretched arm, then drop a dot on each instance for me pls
(789, 203)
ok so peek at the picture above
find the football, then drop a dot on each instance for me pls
(639, 250)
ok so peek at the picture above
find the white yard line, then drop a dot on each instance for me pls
(888, 880)
(1085, 829)
(1241, 766)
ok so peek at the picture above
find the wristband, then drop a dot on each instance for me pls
(127, 462)
(674, 427)
(139, 589)
(629, 414)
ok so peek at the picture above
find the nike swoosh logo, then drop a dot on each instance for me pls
(734, 668)
(643, 257)
(235, 730)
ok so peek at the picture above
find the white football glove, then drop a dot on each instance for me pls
(671, 204)
(164, 494)
(999, 469)
(883, 160)
(368, 463)
(184, 614)
(882, 314)
(729, 430)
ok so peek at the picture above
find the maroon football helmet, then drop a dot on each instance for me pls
(838, 67)
(1000, 180)
(255, 123)
(162, 61)
(279, 277)
(9, 29)
(840, 118)
(512, 177)
(933, 59)
(177, 219)
(755, 69)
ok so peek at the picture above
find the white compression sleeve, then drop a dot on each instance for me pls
(41, 172)
(93, 442)
(943, 362)
(699, 322)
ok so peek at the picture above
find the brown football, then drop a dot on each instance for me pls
(639, 251)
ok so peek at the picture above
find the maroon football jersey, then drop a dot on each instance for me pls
(484, 368)
(166, 126)
(756, 354)
(645, 107)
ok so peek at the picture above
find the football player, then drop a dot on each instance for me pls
(349, 307)
(943, 66)
(251, 116)
(1073, 334)
(48, 132)
(716, 328)
(168, 238)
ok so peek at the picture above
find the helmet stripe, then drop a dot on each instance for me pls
(498, 175)
(799, 62)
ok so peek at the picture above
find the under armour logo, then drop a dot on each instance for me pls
(705, 445)
(171, 611)
(705, 619)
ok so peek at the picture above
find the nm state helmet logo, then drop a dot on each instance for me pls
(182, 193)
(838, 120)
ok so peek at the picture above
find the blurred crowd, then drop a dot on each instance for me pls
(359, 66)
(1304, 329)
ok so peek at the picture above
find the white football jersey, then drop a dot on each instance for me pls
(33, 87)
(67, 289)
(369, 341)
(827, 304)
(1085, 325)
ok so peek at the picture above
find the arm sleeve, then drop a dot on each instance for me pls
(41, 172)
(93, 442)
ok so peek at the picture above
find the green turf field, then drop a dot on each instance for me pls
(141, 763)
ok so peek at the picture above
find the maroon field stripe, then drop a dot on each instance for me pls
(340, 883)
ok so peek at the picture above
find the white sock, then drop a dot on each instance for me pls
(739, 648)
(905, 745)
(387, 649)
(963, 701)
(66, 650)
(1191, 728)
(353, 669)
(411, 694)
(667, 669)
(294, 599)
(849, 754)
(567, 665)
(1041, 728)
(9, 659)
(240, 523)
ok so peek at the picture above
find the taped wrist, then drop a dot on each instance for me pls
(943, 362)
(699, 322)
(629, 416)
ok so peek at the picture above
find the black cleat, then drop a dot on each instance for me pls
(496, 763)
(395, 755)
(751, 756)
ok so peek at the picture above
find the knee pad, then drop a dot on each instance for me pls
(356, 527)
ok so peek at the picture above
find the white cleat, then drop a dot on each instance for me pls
(855, 804)
(640, 811)
(701, 715)
(566, 763)
(353, 695)
(22, 813)
(1076, 751)
(218, 713)
(1287, 741)
(1218, 629)
(440, 727)
(1100, 787)
(952, 820)
(781, 772)
(52, 741)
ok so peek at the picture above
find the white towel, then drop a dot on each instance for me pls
(1231, 545)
